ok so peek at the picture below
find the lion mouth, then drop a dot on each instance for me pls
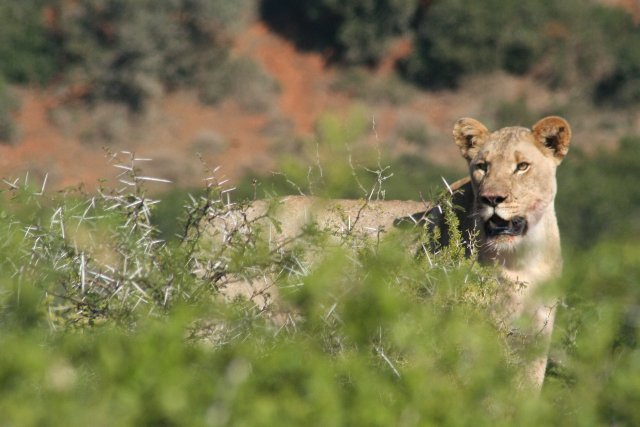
(496, 226)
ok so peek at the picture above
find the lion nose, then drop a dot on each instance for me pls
(492, 200)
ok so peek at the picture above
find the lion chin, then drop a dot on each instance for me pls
(503, 244)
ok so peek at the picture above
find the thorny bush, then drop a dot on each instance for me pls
(101, 318)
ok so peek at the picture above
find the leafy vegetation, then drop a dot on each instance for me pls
(346, 149)
(357, 31)
(26, 49)
(243, 79)
(595, 199)
(620, 87)
(583, 46)
(127, 52)
(101, 319)
(116, 50)
(561, 43)
(8, 104)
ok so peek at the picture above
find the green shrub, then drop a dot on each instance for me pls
(345, 160)
(341, 360)
(562, 43)
(240, 79)
(366, 25)
(456, 38)
(359, 83)
(597, 339)
(356, 31)
(380, 338)
(619, 87)
(26, 49)
(129, 52)
(101, 320)
(414, 131)
(96, 258)
(8, 127)
(595, 199)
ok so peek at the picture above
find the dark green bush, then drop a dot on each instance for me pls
(366, 25)
(26, 48)
(115, 50)
(8, 104)
(356, 31)
(620, 87)
(456, 38)
(596, 199)
(562, 43)
(127, 52)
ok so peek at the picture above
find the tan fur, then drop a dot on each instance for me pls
(494, 159)
(281, 221)
(371, 218)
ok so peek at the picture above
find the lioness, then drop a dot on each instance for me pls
(513, 178)
(508, 201)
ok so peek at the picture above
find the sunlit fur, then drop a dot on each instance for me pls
(513, 175)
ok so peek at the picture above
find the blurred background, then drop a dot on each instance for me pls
(339, 98)
(320, 96)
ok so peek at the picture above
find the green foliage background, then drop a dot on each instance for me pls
(577, 44)
(357, 31)
(121, 50)
(562, 43)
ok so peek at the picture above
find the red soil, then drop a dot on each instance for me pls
(43, 148)
(302, 76)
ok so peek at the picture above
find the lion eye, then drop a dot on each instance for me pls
(482, 166)
(522, 166)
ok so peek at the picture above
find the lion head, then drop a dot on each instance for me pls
(513, 176)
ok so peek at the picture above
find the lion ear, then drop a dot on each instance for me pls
(469, 135)
(553, 133)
